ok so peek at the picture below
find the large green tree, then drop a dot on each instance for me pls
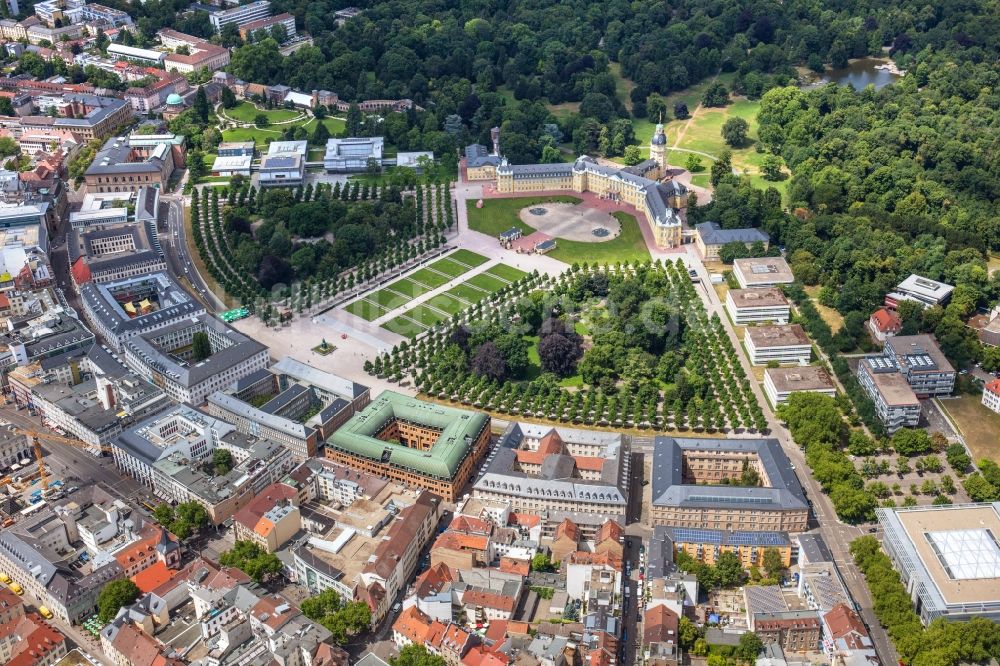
(114, 596)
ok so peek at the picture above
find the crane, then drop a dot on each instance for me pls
(34, 437)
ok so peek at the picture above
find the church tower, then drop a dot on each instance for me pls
(658, 148)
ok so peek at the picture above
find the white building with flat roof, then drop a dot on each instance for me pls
(352, 153)
(762, 272)
(921, 290)
(749, 306)
(781, 383)
(895, 402)
(948, 558)
(783, 344)
(232, 165)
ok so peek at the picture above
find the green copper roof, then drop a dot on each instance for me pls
(459, 429)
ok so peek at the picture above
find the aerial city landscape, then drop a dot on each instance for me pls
(525, 333)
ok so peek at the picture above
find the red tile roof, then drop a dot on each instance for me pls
(993, 386)
(81, 271)
(567, 528)
(886, 321)
(609, 530)
(485, 599)
(515, 566)
(36, 640)
(660, 624)
(154, 576)
(845, 623)
(551, 443)
(251, 515)
(433, 580)
(526, 520)
(413, 625)
(470, 525)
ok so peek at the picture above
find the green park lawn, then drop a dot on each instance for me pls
(977, 424)
(366, 309)
(247, 111)
(408, 287)
(403, 326)
(449, 267)
(467, 293)
(467, 257)
(628, 246)
(258, 136)
(389, 300)
(505, 272)
(447, 303)
(425, 315)
(487, 282)
(429, 278)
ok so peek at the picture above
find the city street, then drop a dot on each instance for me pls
(178, 259)
(837, 535)
(74, 465)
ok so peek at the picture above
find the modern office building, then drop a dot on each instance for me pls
(164, 358)
(920, 290)
(762, 272)
(923, 364)
(240, 15)
(948, 558)
(688, 490)
(253, 28)
(780, 383)
(782, 344)
(752, 306)
(895, 402)
(134, 54)
(418, 443)
(352, 153)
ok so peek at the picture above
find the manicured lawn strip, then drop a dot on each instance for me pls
(447, 303)
(449, 267)
(498, 215)
(258, 136)
(429, 278)
(629, 246)
(510, 273)
(468, 293)
(388, 299)
(366, 310)
(487, 282)
(425, 315)
(467, 257)
(404, 327)
(408, 287)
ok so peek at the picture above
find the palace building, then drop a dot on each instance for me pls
(417, 443)
(637, 186)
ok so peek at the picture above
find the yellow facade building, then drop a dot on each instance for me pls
(637, 185)
(707, 545)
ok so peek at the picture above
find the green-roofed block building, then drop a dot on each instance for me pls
(418, 443)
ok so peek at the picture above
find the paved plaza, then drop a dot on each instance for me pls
(582, 223)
